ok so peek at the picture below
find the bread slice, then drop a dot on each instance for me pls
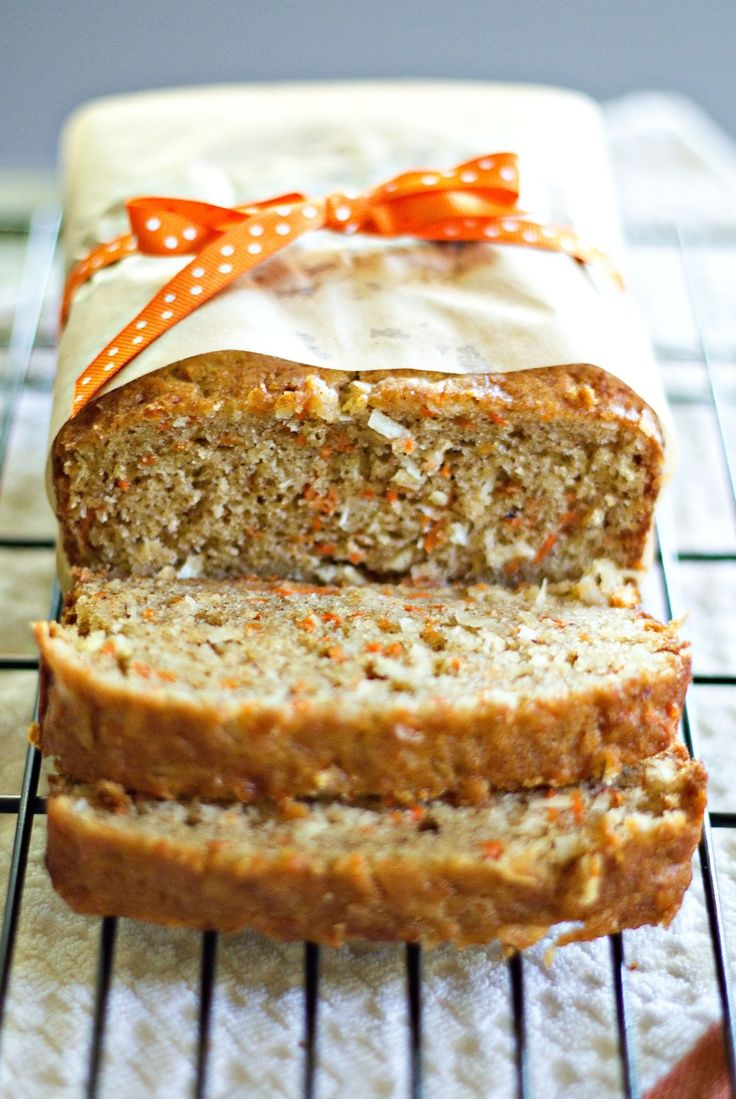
(604, 856)
(241, 689)
(223, 466)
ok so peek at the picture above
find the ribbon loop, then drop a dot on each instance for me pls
(475, 201)
(176, 227)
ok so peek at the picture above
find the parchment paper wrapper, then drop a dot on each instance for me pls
(355, 303)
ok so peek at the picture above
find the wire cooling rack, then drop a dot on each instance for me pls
(25, 805)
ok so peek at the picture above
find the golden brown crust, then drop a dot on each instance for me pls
(102, 869)
(258, 383)
(184, 748)
(310, 740)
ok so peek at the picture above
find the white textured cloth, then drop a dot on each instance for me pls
(151, 1027)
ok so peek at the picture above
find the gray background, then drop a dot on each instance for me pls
(55, 55)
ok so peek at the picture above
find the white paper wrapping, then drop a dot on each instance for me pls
(354, 303)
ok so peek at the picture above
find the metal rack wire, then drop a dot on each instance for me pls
(26, 805)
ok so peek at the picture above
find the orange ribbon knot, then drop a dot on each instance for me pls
(476, 201)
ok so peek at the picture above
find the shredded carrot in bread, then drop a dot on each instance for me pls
(431, 539)
(577, 805)
(394, 649)
(545, 548)
(492, 849)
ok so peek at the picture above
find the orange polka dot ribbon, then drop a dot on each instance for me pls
(476, 201)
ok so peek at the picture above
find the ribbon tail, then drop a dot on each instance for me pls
(232, 254)
(112, 252)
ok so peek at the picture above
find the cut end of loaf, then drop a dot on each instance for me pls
(219, 466)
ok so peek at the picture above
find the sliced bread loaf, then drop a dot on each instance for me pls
(241, 689)
(605, 856)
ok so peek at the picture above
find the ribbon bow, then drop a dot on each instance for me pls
(476, 201)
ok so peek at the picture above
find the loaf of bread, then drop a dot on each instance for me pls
(343, 656)
(604, 856)
(356, 408)
(221, 466)
(254, 688)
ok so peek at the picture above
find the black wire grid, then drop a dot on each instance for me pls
(39, 257)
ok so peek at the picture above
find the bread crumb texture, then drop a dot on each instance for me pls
(228, 464)
(250, 688)
(603, 855)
